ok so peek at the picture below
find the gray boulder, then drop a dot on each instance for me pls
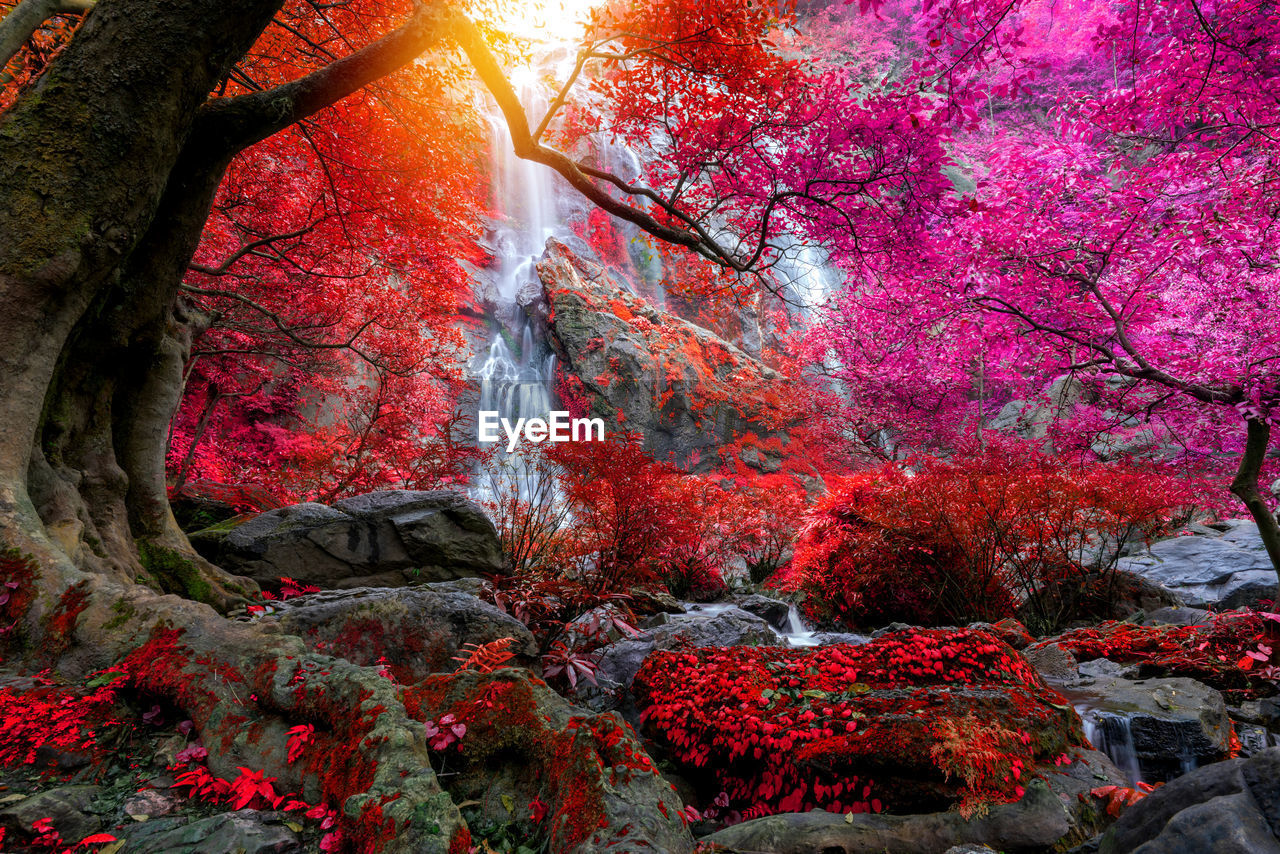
(1231, 807)
(68, 807)
(416, 630)
(383, 539)
(775, 612)
(243, 831)
(1205, 570)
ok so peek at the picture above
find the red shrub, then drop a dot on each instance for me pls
(970, 538)
(1234, 652)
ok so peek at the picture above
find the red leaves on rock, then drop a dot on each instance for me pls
(486, 657)
(771, 726)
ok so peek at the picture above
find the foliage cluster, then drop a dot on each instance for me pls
(1233, 651)
(976, 537)
(913, 721)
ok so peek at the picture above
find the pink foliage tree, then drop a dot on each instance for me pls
(1114, 219)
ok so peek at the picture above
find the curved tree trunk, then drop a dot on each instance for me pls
(108, 167)
(1245, 487)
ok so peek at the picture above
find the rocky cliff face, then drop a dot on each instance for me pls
(689, 392)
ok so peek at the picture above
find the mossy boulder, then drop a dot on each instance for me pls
(581, 783)
(415, 631)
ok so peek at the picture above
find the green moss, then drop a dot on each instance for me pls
(174, 572)
(123, 612)
(225, 526)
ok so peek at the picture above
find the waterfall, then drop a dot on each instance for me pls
(1111, 734)
(805, 274)
(517, 384)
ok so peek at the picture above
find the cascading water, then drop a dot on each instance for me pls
(806, 275)
(516, 373)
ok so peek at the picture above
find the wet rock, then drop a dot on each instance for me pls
(68, 808)
(1231, 807)
(414, 630)
(775, 612)
(1155, 729)
(385, 539)
(1050, 816)
(1206, 570)
(243, 832)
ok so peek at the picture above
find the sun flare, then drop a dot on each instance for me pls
(546, 22)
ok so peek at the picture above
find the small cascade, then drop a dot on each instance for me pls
(1144, 758)
(1111, 734)
(796, 633)
(515, 390)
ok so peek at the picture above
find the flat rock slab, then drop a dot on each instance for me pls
(246, 831)
(1204, 569)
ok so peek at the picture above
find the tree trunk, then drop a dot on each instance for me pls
(108, 166)
(1245, 487)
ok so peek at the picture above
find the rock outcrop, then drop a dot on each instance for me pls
(1231, 807)
(383, 539)
(1211, 569)
(414, 631)
(686, 389)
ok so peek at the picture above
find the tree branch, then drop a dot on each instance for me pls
(28, 16)
(694, 237)
(244, 120)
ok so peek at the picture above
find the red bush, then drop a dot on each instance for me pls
(914, 721)
(970, 538)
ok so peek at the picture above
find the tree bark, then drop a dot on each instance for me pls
(1245, 487)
